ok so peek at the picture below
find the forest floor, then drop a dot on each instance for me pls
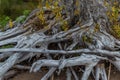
(115, 75)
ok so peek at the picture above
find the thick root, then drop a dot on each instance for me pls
(50, 44)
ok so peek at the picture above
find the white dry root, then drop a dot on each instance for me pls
(58, 49)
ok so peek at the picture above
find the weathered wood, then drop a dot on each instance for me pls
(82, 60)
(68, 74)
(95, 51)
(82, 43)
(5, 66)
(88, 69)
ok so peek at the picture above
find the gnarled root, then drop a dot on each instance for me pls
(81, 44)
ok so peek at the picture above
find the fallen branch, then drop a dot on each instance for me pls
(96, 51)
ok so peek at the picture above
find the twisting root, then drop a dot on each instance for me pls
(68, 34)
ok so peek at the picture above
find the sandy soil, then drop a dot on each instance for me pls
(37, 76)
(34, 76)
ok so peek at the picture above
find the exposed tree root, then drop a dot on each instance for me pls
(52, 46)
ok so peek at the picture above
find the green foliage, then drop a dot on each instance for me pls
(6, 19)
(26, 12)
(14, 8)
(10, 9)
(3, 21)
(7, 46)
(22, 18)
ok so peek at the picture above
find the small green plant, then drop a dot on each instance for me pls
(22, 18)
(6, 19)
(3, 21)
(7, 46)
(26, 12)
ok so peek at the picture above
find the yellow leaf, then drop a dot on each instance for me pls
(113, 9)
(47, 5)
(77, 3)
(10, 23)
(58, 16)
(56, 3)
